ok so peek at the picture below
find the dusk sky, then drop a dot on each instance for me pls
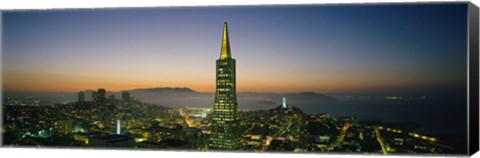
(328, 49)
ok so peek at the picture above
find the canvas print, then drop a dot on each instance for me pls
(386, 79)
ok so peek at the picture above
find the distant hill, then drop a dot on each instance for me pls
(175, 97)
(165, 90)
(309, 96)
(183, 96)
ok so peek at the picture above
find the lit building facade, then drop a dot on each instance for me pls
(126, 98)
(225, 129)
(98, 97)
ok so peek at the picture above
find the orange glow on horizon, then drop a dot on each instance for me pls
(41, 82)
(202, 79)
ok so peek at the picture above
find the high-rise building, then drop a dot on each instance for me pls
(81, 97)
(225, 131)
(99, 101)
(125, 98)
(98, 97)
(111, 99)
(111, 102)
(101, 95)
(94, 97)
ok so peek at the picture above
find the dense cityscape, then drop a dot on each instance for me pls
(110, 122)
(126, 122)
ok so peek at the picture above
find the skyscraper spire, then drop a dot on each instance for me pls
(225, 130)
(225, 43)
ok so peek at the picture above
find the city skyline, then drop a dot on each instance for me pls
(122, 49)
(323, 54)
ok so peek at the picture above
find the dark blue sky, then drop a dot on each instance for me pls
(330, 48)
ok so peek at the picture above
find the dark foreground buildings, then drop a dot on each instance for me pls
(225, 134)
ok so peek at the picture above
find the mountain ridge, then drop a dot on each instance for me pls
(184, 96)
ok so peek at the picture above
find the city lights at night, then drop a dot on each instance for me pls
(298, 79)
